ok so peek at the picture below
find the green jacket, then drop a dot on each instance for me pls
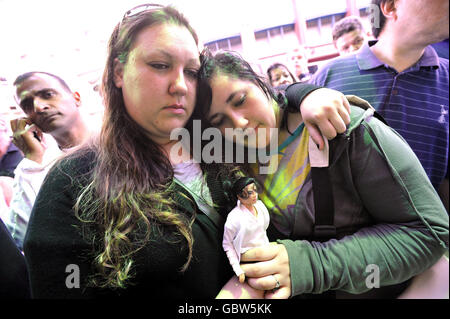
(387, 214)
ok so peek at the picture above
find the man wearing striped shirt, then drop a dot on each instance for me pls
(401, 75)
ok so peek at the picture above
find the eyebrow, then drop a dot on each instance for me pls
(170, 56)
(31, 94)
(232, 95)
(27, 95)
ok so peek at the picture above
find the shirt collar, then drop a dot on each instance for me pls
(243, 207)
(367, 60)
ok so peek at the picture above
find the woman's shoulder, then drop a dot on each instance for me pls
(75, 165)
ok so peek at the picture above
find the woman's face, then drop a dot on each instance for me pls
(280, 76)
(159, 79)
(239, 104)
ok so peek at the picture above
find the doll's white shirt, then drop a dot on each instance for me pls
(244, 231)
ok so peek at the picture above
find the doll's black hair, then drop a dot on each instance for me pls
(240, 184)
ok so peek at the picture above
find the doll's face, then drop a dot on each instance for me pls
(249, 195)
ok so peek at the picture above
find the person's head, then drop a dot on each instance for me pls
(422, 21)
(47, 101)
(279, 74)
(348, 35)
(299, 59)
(149, 88)
(151, 73)
(245, 190)
(232, 95)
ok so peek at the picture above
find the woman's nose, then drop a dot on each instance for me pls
(178, 85)
(239, 121)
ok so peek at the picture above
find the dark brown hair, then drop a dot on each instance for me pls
(346, 25)
(278, 66)
(129, 191)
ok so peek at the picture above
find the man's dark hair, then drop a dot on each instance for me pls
(382, 19)
(346, 25)
(23, 77)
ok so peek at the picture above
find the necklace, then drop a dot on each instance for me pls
(291, 138)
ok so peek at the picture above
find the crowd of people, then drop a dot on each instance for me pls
(359, 175)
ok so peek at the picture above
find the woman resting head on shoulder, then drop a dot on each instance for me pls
(386, 212)
(111, 209)
(123, 213)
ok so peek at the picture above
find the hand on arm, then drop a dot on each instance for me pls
(28, 139)
(325, 112)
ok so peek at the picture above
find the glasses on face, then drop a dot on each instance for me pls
(140, 8)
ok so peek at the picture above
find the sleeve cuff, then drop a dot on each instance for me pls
(302, 274)
(296, 92)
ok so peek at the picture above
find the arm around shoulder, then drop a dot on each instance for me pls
(409, 232)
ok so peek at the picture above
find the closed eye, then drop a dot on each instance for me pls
(217, 120)
(159, 66)
(241, 99)
(192, 73)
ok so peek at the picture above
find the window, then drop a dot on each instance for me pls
(275, 32)
(261, 35)
(235, 41)
(224, 44)
(312, 23)
(288, 28)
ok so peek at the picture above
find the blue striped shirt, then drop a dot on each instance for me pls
(413, 102)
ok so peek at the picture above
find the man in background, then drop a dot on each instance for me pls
(348, 35)
(51, 108)
(299, 60)
(401, 75)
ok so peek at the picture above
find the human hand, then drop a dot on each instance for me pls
(241, 278)
(234, 289)
(28, 138)
(325, 111)
(269, 270)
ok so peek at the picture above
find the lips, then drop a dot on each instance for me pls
(175, 108)
(251, 130)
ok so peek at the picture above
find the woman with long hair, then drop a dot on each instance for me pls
(279, 75)
(124, 215)
(385, 215)
(111, 210)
